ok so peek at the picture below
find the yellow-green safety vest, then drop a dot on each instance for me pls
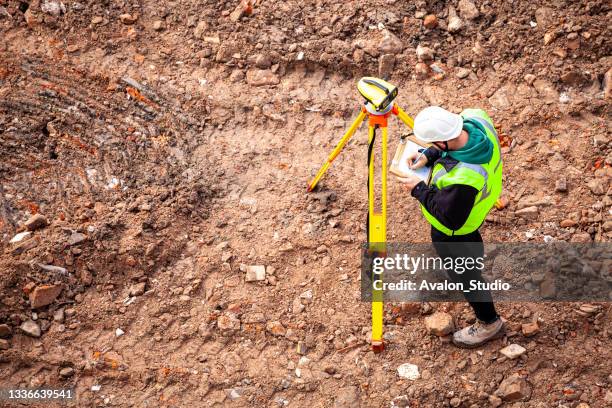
(486, 178)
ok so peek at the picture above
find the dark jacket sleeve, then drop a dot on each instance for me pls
(432, 155)
(451, 205)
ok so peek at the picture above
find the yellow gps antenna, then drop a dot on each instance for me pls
(379, 104)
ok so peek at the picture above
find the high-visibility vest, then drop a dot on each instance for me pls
(486, 178)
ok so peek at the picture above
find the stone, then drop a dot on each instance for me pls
(128, 19)
(158, 25)
(44, 295)
(390, 44)
(66, 372)
(424, 53)
(528, 212)
(76, 238)
(200, 29)
(261, 77)
(386, 63)
(455, 402)
(567, 223)
(421, 70)
(589, 309)
(544, 17)
(276, 328)
(59, 316)
(225, 52)
(4, 344)
(119, 332)
(529, 78)
(35, 222)
(462, 73)
(236, 75)
(408, 371)
(20, 237)
(244, 8)
(561, 185)
(347, 397)
(494, 401)
(513, 388)
(297, 306)
(228, 321)
(513, 351)
(430, 21)
(597, 186)
(5, 331)
(30, 328)
(468, 10)
(455, 24)
(137, 289)
(607, 226)
(549, 37)
(262, 61)
(573, 77)
(439, 324)
(255, 273)
(530, 329)
(53, 8)
(607, 84)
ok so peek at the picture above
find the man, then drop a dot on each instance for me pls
(465, 182)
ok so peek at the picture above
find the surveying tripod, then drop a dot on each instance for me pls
(378, 106)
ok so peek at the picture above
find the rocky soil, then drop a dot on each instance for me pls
(158, 244)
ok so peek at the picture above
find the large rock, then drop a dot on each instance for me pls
(200, 29)
(31, 328)
(409, 371)
(228, 321)
(513, 388)
(544, 17)
(430, 21)
(468, 10)
(35, 222)
(390, 44)
(261, 77)
(225, 52)
(439, 324)
(513, 351)
(424, 53)
(53, 8)
(255, 273)
(455, 24)
(5, 331)
(607, 84)
(386, 63)
(44, 295)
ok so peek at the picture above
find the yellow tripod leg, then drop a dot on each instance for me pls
(403, 116)
(347, 136)
(377, 235)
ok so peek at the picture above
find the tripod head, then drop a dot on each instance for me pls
(379, 94)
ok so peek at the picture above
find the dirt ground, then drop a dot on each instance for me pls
(168, 146)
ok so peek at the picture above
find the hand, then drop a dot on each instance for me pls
(421, 163)
(409, 182)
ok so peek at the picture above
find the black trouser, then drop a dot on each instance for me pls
(451, 247)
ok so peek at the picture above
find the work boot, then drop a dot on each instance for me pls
(478, 333)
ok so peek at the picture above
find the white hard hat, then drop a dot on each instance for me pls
(434, 124)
